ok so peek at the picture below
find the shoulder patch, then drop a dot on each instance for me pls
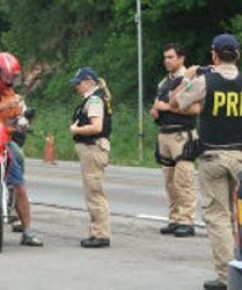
(189, 86)
(94, 100)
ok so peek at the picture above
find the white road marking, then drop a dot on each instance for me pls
(165, 219)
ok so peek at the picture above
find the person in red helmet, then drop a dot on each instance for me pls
(10, 110)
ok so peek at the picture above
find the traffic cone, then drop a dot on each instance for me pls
(49, 150)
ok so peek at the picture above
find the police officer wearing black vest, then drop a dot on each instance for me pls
(220, 92)
(91, 129)
(176, 130)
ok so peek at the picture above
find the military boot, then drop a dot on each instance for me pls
(214, 285)
(93, 242)
(183, 231)
(169, 230)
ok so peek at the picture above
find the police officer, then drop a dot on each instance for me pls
(91, 130)
(220, 91)
(176, 129)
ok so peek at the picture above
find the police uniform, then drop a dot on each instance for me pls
(93, 152)
(175, 131)
(220, 92)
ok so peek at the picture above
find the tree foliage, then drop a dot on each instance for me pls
(53, 38)
(67, 34)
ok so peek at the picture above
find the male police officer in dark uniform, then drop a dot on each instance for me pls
(220, 91)
(176, 129)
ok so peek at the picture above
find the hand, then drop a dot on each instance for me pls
(23, 123)
(191, 72)
(161, 106)
(154, 113)
(73, 128)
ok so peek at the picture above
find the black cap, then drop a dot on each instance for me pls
(224, 42)
(85, 73)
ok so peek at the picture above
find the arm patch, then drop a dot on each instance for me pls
(94, 100)
(189, 86)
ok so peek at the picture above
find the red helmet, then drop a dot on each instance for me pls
(10, 69)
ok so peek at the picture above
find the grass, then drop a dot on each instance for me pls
(124, 139)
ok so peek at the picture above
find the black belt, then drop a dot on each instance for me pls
(170, 130)
(232, 147)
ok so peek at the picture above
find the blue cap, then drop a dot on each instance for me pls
(85, 73)
(225, 42)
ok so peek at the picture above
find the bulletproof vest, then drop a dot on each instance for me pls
(83, 119)
(220, 121)
(169, 118)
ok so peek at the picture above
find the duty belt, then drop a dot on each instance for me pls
(170, 130)
(231, 147)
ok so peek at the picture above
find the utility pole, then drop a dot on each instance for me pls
(138, 19)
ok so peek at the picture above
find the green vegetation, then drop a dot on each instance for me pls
(124, 138)
(53, 38)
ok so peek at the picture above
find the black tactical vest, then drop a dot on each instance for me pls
(83, 119)
(169, 118)
(220, 121)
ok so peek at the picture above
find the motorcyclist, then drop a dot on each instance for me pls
(10, 110)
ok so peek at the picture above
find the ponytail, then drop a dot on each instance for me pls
(108, 97)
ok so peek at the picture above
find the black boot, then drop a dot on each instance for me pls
(183, 231)
(214, 285)
(93, 242)
(168, 230)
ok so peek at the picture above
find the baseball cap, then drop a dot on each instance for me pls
(84, 73)
(225, 42)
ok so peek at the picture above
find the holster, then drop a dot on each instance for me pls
(191, 150)
(162, 160)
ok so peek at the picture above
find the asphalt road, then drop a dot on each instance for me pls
(131, 191)
(139, 257)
